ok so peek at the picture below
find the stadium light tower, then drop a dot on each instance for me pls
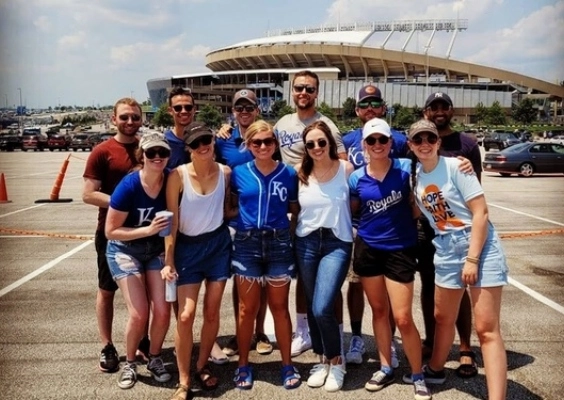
(21, 110)
(427, 47)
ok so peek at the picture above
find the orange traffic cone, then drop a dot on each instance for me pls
(54, 197)
(3, 191)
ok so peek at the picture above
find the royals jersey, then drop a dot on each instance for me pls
(264, 200)
(386, 217)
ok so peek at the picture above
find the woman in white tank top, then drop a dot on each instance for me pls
(199, 249)
(323, 248)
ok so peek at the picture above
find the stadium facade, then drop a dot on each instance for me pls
(344, 61)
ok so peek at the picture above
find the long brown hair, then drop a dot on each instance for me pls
(307, 162)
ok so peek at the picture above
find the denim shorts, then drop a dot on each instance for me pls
(450, 255)
(203, 257)
(126, 258)
(263, 253)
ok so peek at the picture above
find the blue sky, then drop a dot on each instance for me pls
(78, 52)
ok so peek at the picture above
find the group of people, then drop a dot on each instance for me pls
(264, 204)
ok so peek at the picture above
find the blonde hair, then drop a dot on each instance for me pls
(255, 128)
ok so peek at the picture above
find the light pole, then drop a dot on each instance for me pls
(131, 94)
(427, 70)
(21, 110)
(6, 97)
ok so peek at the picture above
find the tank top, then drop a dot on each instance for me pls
(200, 213)
(326, 205)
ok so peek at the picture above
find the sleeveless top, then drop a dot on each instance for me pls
(326, 205)
(199, 213)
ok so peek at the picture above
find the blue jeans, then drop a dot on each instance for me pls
(323, 262)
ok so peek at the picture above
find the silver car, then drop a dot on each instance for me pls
(526, 159)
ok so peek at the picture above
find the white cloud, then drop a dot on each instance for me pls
(43, 24)
(73, 42)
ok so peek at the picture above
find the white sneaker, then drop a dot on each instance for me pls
(318, 375)
(356, 350)
(301, 342)
(395, 360)
(335, 378)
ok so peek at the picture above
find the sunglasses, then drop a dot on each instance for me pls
(374, 104)
(134, 117)
(310, 145)
(157, 151)
(371, 140)
(439, 106)
(187, 107)
(205, 140)
(259, 142)
(308, 89)
(248, 108)
(418, 139)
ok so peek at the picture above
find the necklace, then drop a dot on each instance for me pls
(318, 177)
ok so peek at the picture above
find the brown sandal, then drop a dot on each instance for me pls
(206, 379)
(181, 393)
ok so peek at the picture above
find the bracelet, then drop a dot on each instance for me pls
(473, 260)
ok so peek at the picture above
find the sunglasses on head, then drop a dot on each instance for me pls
(205, 140)
(371, 140)
(321, 143)
(363, 105)
(248, 108)
(439, 106)
(308, 89)
(187, 107)
(418, 139)
(134, 117)
(259, 142)
(154, 151)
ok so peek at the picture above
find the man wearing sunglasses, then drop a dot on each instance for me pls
(108, 163)
(182, 109)
(229, 146)
(369, 105)
(439, 110)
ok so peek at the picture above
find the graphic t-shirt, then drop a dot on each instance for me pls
(129, 196)
(386, 218)
(108, 163)
(288, 131)
(442, 195)
(264, 200)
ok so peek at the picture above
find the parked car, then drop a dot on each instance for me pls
(10, 142)
(58, 141)
(559, 139)
(526, 159)
(33, 139)
(81, 142)
(500, 140)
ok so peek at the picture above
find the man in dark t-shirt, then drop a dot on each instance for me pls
(439, 110)
(108, 163)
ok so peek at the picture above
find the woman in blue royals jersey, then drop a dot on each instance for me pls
(384, 254)
(135, 254)
(264, 191)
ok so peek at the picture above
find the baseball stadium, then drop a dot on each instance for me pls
(345, 58)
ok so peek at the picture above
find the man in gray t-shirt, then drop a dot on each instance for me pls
(289, 128)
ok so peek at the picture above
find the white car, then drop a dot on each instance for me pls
(557, 139)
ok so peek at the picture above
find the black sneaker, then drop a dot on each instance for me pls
(128, 376)
(378, 381)
(109, 360)
(143, 349)
(157, 369)
(436, 377)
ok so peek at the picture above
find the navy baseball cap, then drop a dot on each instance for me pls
(369, 92)
(438, 96)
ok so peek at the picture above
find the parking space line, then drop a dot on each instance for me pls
(23, 209)
(537, 296)
(44, 268)
(527, 214)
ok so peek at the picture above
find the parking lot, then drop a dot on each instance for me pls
(48, 337)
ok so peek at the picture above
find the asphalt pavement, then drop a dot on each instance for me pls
(48, 337)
